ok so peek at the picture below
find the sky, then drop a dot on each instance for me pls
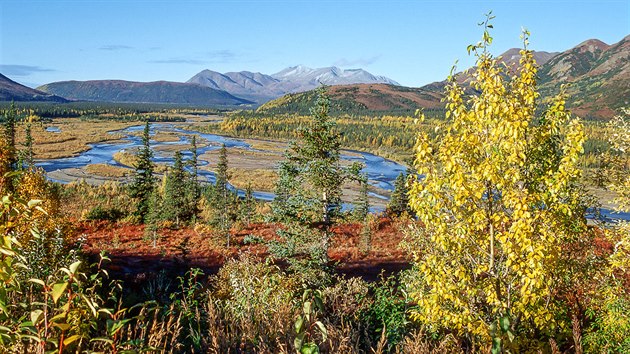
(412, 42)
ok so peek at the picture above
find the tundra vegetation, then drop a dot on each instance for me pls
(494, 211)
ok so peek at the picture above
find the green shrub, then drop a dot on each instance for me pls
(104, 213)
(609, 331)
(387, 313)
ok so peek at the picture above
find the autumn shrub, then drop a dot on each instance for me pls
(46, 309)
(608, 309)
(609, 331)
(107, 201)
(256, 304)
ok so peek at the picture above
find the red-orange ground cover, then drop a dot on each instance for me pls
(132, 252)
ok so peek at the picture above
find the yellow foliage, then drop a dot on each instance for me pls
(496, 200)
(618, 173)
(32, 185)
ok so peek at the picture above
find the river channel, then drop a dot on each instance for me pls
(381, 172)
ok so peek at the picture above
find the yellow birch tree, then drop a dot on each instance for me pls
(496, 199)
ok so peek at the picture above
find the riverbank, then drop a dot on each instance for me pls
(250, 160)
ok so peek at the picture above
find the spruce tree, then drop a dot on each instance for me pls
(308, 193)
(290, 202)
(193, 190)
(399, 200)
(144, 182)
(248, 206)
(175, 204)
(362, 204)
(27, 159)
(154, 216)
(223, 198)
(10, 119)
(194, 171)
(314, 161)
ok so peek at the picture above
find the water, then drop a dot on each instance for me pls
(381, 172)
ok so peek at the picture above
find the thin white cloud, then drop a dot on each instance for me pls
(209, 57)
(357, 62)
(178, 61)
(22, 70)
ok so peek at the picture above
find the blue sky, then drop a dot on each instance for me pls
(412, 42)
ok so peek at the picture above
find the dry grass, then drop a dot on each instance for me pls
(260, 179)
(130, 160)
(266, 145)
(105, 170)
(74, 137)
(125, 158)
(165, 137)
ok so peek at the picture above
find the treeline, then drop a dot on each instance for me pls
(389, 136)
(95, 109)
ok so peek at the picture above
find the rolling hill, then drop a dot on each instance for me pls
(358, 99)
(142, 92)
(12, 91)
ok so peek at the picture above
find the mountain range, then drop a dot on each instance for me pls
(598, 75)
(262, 88)
(12, 91)
(143, 92)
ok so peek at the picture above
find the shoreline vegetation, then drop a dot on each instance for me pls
(76, 134)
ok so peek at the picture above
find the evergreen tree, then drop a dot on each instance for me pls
(28, 145)
(8, 160)
(194, 171)
(308, 192)
(222, 176)
(314, 161)
(399, 200)
(193, 190)
(223, 198)
(290, 202)
(25, 158)
(10, 119)
(362, 204)
(361, 213)
(175, 205)
(154, 216)
(248, 206)
(144, 182)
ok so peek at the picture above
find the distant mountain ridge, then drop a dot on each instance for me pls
(13, 91)
(252, 86)
(598, 75)
(142, 92)
(262, 87)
